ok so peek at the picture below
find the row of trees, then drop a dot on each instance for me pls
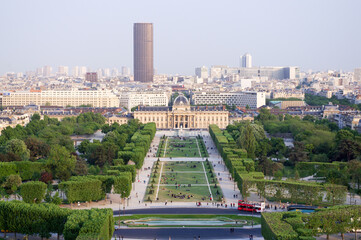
(334, 220)
(44, 219)
(243, 170)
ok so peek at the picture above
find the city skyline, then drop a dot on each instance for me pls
(276, 33)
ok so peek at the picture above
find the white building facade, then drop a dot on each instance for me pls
(74, 97)
(133, 99)
(240, 99)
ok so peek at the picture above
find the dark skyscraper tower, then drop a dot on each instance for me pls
(143, 52)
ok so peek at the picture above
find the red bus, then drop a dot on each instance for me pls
(250, 207)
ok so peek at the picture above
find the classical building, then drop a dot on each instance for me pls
(183, 116)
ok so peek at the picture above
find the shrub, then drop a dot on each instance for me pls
(33, 192)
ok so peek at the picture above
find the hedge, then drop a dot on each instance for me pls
(243, 171)
(30, 219)
(99, 225)
(26, 169)
(274, 228)
(126, 168)
(33, 192)
(6, 169)
(123, 184)
(82, 189)
(44, 219)
(90, 224)
(297, 225)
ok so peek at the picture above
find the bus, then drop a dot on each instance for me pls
(250, 207)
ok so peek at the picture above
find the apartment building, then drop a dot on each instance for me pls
(240, 99)
(74, 97)
(133, 99)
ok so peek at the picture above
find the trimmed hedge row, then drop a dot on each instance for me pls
(82, 189)
(90, 224)
(274, 228)
(320, 168)
(44, 219)
(33, 192)
(26, 169)
(125, 168)
(94, 187)
(297, 225)
(243, 171)
(139, 144)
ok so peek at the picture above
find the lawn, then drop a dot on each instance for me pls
(183, 182)
(229, 219)
(182, 147)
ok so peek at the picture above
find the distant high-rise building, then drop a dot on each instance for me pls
(125, 71)
(63, 70)
(202, 72)
(115, 72)
(76, 71)
(357, 75)
(91, 77)
(106, 72)
(82, 71)
(39, 71)
(246, 61)
(143, 52)
(47, 71)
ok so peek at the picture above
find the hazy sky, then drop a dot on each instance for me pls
(312, 34)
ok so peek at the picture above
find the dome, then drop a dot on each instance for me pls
(181, 100)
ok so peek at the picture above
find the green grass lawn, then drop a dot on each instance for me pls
(182, 166)
(183, 173)
(183, 178)
(181, 147)
(121, 219)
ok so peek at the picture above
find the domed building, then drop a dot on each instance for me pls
(183, 116)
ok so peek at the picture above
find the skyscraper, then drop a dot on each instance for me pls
(47, 71)
(143, 52)
(246, 61)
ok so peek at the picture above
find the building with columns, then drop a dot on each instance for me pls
(183, 116)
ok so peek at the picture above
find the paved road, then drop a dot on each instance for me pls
(188, 233)
(170, 210)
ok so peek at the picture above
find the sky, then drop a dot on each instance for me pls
(311, 34)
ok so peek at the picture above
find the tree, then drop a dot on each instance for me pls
(247, 141)
(18, 147)
(46, 177)
(61, 162)
(298, 153)
(81, 168)
(12, 184)
(354, 168)
(348, 149)
(35, 117)
(343, 134)
(37, 147)
(33, 192)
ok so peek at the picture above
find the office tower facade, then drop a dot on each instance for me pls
(63, 70)
(246, 61)
(76, 71)
(91, 77)
(125, 71)
(202, 72)
(143, 52)
(357, 75)
(47, 71)
(82, 71)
